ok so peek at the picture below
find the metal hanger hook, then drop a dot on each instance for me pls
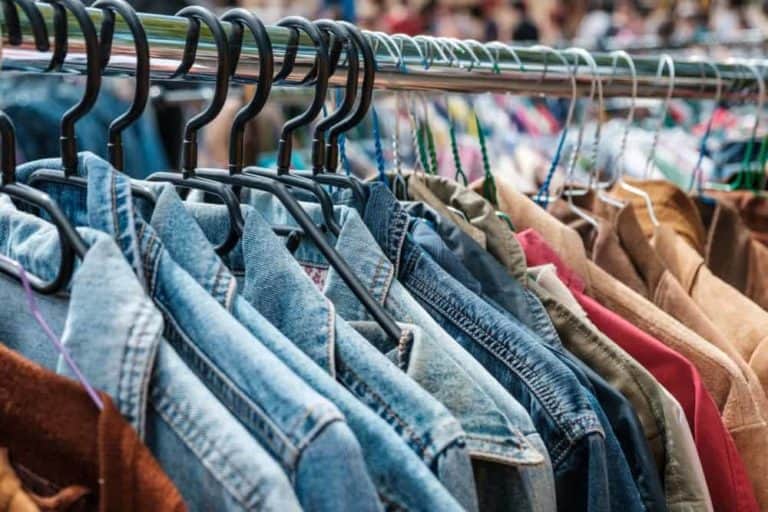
(667, 62)
(389, 45)
(574, 88)
(595, 86)
(494, 62)
(499, 46)
(615, 56)
(695, 175)
(401, 39)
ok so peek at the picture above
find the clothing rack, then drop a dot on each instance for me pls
(416, 64)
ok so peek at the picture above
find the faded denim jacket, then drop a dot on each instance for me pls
(114, 334)
(299, 428)
(385, 452)
(508, 468)
(277, 286)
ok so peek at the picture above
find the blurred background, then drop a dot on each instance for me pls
(546, 21)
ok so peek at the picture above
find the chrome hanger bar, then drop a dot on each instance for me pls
(419, 64)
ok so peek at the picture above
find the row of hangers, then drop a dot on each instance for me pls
(223, 184)
(330, 39)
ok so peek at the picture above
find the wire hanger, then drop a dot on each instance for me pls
(281, 191)
(666, 60)
(567, 189)
(59, 177)
(542, 197)
(285, 144)
(72, 245)
(601, 187)
(696, 175)
(188, 178)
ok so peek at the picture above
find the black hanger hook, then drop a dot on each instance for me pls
(322, 70)
(240, 19)
(366, 96)
(68, 139)
(197, 14)
(350, 91)
(141, 95)
(39, 30)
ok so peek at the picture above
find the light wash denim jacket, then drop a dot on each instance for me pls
(386, 454)
(304, 432)
(114, 334)
(508, 468)
(278, 287)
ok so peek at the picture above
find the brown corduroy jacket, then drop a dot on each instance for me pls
(69, 455)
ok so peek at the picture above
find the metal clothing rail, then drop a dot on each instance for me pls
(402, 64)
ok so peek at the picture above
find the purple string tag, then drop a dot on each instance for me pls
(51, 336)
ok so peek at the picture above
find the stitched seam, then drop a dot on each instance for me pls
(353, 382)
(331, 345)
(233, 398)
(596, 342)
(135, 347)
(196, 433)
(497, 348)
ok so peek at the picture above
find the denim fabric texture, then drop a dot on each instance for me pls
(114, 333)
(558, 404)
(277, 286)
(502, 457)
(304, 432)
(386, 454)
(666, 430)
(484, 273)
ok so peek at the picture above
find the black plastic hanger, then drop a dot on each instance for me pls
(187, 178)
(72, 245)
(280, 190)
(366, 95)
(39, 30)
(350, 92)
(285, 146)
(141, 94)
(68, 139)
(241, 18)
(122, 122)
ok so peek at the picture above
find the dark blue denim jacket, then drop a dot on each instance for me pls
(479, 271)
(181, 227)
(561, 408)
(304, 432)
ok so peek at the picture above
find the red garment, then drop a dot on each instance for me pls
(727, 479)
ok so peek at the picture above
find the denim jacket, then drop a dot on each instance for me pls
(385, 453)
(560, 407)
(114, 334)
(452, 248)
(507, 467)
(277, 286)
(304, 432)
